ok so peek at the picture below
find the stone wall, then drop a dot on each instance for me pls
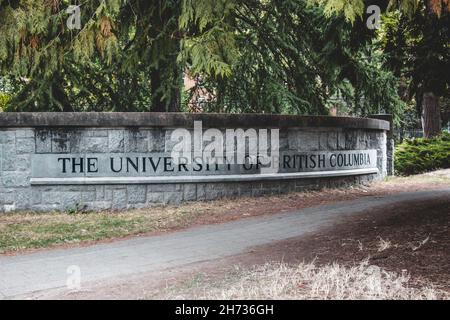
(23, 136)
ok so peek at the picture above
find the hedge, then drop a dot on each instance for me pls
(420, 155)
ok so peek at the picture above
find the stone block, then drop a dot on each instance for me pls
(23, 198)
(15, 179)
(328, 140)
(63, 200)
(173, 197)
(94, 144)
(43, 141)
(7, 197)
(116, 141)
(103, 133)
(8, 160)
(284, 141)
(61, 141)
(97, 205)
(119, 199)
(155, 197)
(190, 192)
(99, 193)
(340, 141)
(25, 145)
(363, 141)
(36, 196)
(23, 162)
(137, 194)
(7, 137)
(156, 141)
(351, 140)
(172, 187)
(25, 133)
(108, 194)
(307, 141)
(136, 141)
(88, 196)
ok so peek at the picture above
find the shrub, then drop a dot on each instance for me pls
(422, 155)
(4, 99)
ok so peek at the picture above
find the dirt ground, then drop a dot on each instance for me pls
(410, 238)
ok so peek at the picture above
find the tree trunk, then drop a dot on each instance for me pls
(158, 104)
(431, 115)
(60, 96)
(172, 102)
(166, 75)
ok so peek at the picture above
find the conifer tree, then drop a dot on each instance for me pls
(129, 55)
(416, 39)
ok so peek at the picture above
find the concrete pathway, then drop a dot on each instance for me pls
(25, 274)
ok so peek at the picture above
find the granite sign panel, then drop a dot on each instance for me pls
(162, 164)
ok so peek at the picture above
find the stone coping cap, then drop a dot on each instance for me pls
(180, 120)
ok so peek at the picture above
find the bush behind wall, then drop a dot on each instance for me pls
(420, 155)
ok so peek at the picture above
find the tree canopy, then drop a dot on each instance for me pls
(277, 56)
(414, 37)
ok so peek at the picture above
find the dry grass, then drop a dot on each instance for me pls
(439, 177)
(19, 231)
(421, 244)
(307, 281)
(383, 244)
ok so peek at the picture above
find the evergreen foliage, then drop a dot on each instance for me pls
(4, 100)
(418, 51)
(292, 59)
(352, 9)
(253, 56)
(422, 155)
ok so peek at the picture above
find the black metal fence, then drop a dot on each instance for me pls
(402, 134)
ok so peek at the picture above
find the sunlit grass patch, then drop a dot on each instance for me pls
(307, 281)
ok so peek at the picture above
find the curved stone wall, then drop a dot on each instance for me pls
(94, 161)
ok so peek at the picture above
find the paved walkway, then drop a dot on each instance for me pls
(24, 274)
